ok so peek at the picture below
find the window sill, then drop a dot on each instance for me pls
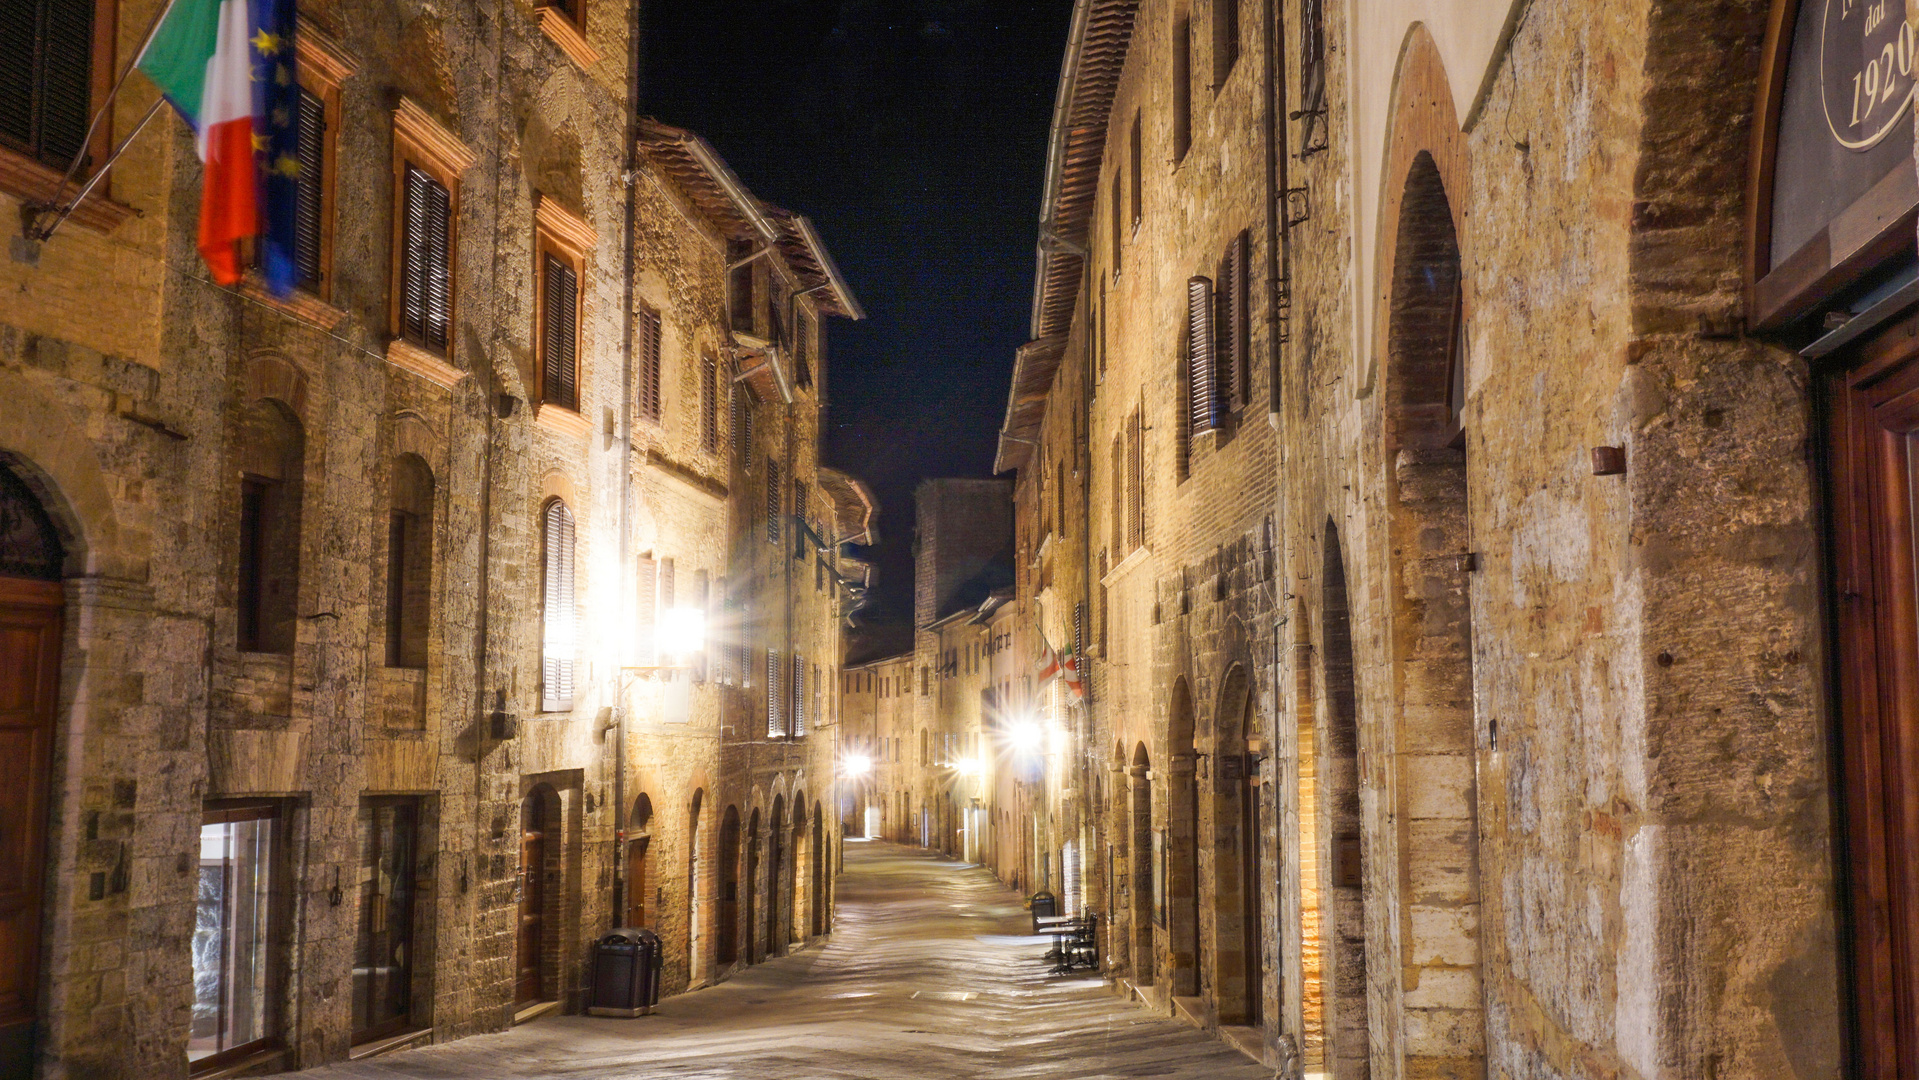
(300, 304)
(241, 1066)
(30, 181)
(407, 356)
(403, 1041)
(1133, 558)
(561, 31)
(562, 421)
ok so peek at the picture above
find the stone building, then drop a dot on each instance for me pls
(1492, 417)
(386, 644)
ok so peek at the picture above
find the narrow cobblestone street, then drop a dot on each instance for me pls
(929, 973)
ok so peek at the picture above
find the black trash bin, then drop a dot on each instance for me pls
(626, 973)
(1044, 906)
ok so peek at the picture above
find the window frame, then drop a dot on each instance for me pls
(321, 67)
(275, 940)
(563, 235)
(547, 698)
(423, 143)
(27, 178)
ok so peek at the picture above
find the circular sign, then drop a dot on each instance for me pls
(1865, 67)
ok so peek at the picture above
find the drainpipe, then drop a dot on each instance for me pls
(635, 53)
(1279, 236)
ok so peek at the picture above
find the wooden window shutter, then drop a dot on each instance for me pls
(666, 583)
(647, 619)
(561, 368)
(1118, 206)
(1105, 613)
(1202, 383)
(774, 494)
(425, 288)
(1079, 628)
(1135, 189)
(1230, 327)
(46, 77)
(735, 422)
(557, 647)
(774, 729)
(1135, 484)
(802, 365)
(309, 193)
(649, 389)
(799, 696)
(702, 599)
(709, 404)
(1116, 496)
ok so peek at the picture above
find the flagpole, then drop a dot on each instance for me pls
(67, 210)
(94, 124)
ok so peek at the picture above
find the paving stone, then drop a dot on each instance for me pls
(929, 972)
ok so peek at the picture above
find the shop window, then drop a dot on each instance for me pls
(383, 960)
(236, 976)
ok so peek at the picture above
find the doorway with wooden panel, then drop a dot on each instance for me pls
(640, 898)
(539, 826)
(31, 601)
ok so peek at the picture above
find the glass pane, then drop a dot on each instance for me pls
(382, 965)
(231, 1005)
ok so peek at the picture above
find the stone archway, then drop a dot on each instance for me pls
(1140, 797)
(1184, 946)
(1237, 944)
(726, 929)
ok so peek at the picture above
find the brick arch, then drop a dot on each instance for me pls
(58, 464)
(270, 375)
(1422, 123)
(414, 434)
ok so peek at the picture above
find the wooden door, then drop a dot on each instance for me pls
(29, 689)
(531, 984)
(383, 956)
(1874, 480)
(639, 885)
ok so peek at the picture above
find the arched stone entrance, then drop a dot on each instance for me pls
(31, 607)
(1237, 943)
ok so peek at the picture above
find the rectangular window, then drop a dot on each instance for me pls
(1134, 178)
(560, 333)
(666, 583)
(1202, 384)
(1118, 207)
(1225, 40)
(709, 404)
(739, 287)
(802, 362)
(1116, 496)
(425, 261)
(1135, 483)
(648, 391)
(309, 203)
(252, 598)
(235, 970)
(1231, 329)
(774, 495)
(396, 560)
(1182, 76)
(557, 647)
(702, 600)
(646, 615)
(774, 727)
(46, 78)
(799, 697)
(383, 953)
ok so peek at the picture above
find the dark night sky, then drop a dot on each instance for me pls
(913, 133)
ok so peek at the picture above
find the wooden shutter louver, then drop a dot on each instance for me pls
(649, 388)
(736, 410)
(559, 614)
(709, 404)
(425, 291)
(308, 193)
(1201, 385)
(1231, 328)
(774, 729)
(799, 696)
(1116, 497)
(666, 583)
(1135, 484)
(46, 77)
(802, 364)
(560, 363)
(1079, 629)
(647, 619)
(774, 493)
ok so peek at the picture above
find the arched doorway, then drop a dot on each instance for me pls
(750, 888)
(801, 855)
(1182, 843)
(776, 857)
(726, 932)
(1435, 785)
(1146, 870)
(641, 896)
(540, 844)
(1237, 943)
(818, 905)
(695, 896)
(31, 600)
(1343, 936)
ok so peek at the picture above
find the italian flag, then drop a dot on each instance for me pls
(200, 57)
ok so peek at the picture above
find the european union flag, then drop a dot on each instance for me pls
(276, 138)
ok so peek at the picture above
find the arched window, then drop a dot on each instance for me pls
(409, 564)
(558, 615)
(272, 458)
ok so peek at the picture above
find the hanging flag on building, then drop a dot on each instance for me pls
(227, 66)
(1053, 664)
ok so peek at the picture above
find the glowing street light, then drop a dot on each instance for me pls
(681, 631)
(967, 767)
(1025, 737)
(856, 765)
